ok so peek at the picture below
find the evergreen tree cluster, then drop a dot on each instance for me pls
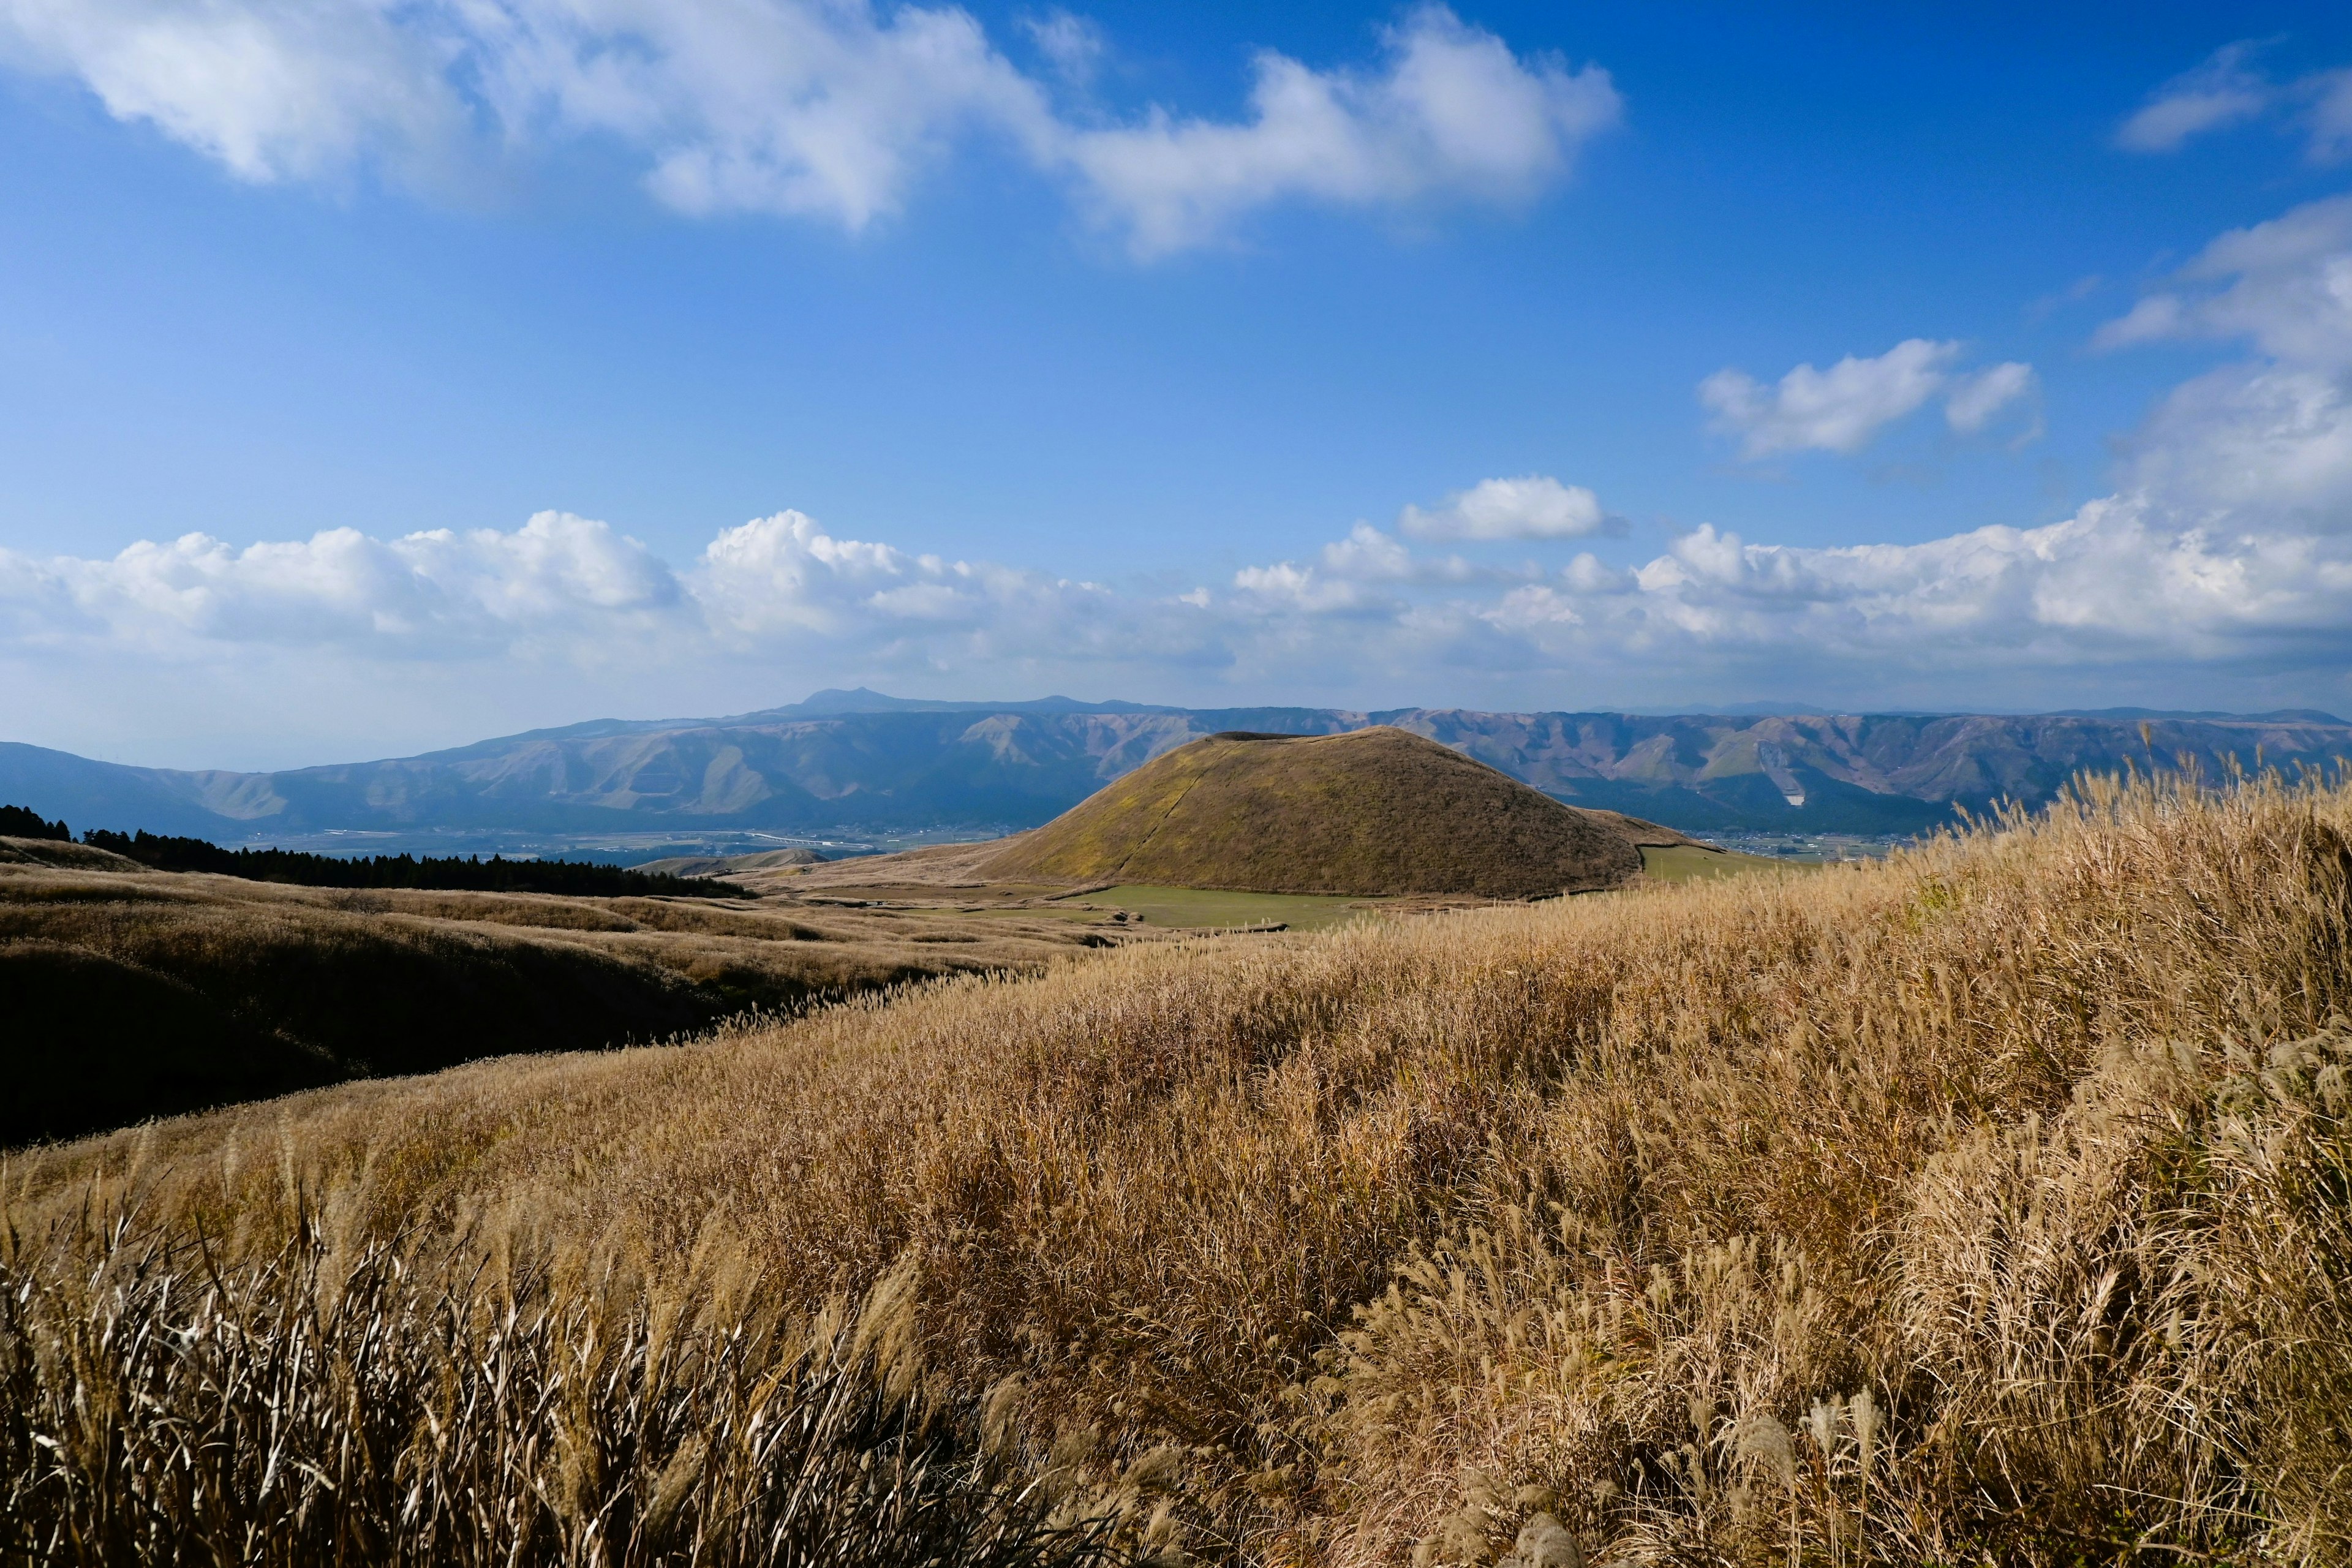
(165, 852)
(16, 822)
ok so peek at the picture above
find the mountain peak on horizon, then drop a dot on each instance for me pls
(833, 699)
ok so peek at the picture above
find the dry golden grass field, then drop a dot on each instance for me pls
(130, 992)
(1990, 1204)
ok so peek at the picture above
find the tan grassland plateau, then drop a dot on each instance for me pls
(1986, 1205)
(726, 865)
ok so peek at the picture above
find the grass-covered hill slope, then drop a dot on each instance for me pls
(726, 865)
(127, 993)
(1377, 811)
(1988, 1204)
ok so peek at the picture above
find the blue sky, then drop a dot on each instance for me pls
(1486, 357)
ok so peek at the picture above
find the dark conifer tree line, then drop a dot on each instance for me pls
(16, 822)
(165, 852)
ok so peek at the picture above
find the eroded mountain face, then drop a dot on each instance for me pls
(1016, 765)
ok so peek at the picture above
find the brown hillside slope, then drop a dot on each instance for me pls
(731, 865)
(1377, 810)
(1986, 1205)
(127, 993)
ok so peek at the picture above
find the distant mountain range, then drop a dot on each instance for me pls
(864, 761)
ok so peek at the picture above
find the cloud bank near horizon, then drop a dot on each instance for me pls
(2116, 602)
(832, 110)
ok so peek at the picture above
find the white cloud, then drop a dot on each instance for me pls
(773, 106)
(2150, 318)
(1073, 45)
(1367, 553)
(2269, 440)
(1533, 507)
(1454, 114)
(2329, 119)
(2274, 436)
(2286, 285)
(1841, 409)
(2124, 582)
(2227, 91)
(433, 595)
(1975, 399)
(271, 88)
(825, 108)
(1833, 410)
(2220, 91)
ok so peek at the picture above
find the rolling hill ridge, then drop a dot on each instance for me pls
(863, 760)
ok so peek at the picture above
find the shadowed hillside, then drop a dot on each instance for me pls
(128, 993)
(1987, 1204)
(1374, 811)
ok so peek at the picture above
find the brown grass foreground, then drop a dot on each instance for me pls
(1991, 1205)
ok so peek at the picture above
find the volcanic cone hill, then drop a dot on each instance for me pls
(1372, 812)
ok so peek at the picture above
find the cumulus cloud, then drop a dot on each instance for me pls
(2286, 285)
(1840, 409)
(823, 108)
(2064, 612)
(2274, 435)
(2125, 582)
(2271, 439)
(1454, 114)
(558, 579)
(1536, 505)
(271, 88)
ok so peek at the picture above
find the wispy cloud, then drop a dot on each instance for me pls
(2226, 89)
(1975, 399)
(828, 109)
(1842, 408)
(2222, 90)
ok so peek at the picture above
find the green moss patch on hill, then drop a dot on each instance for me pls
(1373, 812)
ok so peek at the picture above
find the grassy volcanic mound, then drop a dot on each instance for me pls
(1377, 810)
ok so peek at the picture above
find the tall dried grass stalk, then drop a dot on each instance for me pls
(357, 1400)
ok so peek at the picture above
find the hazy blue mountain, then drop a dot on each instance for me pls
(864, 761)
